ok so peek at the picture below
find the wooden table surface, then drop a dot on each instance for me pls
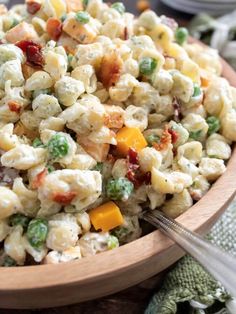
(135, 299)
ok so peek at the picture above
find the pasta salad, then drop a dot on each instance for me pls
(101, 116)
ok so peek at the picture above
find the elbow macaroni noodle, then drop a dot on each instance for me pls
(107, 113)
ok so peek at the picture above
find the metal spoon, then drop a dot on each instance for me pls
(220, 264)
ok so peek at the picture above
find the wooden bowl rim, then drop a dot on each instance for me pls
(115, 262)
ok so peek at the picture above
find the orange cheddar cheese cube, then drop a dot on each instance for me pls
(106, 217)
(130, 138)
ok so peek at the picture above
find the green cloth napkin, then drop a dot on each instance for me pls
(188, 288)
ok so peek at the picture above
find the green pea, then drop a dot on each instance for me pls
(181, 35)
(83, 17)
(195, 135)
(8, 262)
(37, 143)
(152, 138)
(98, 167)
(19, 219)
(147, 65)
(58, 146)
(119, 189)
(197, 91)
(214, 125)
(37, 232)
(119, 6)
(112, 242)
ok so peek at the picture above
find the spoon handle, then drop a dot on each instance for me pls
(220, 264)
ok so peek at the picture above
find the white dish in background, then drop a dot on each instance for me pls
(201, 6)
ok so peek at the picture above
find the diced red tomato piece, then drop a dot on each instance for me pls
(38, 181)
(14, 106)
(64, 198)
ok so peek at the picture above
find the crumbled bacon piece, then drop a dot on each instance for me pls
(132, 156)
(174, 136)
(33, 7)
(174, 151)
(38, 181)
(64, 198)
(110, 69)
(54, 28)
(165, 140)
(126, 34)
(33, 52)
(14, 106)
(134, 174)
(177, 110)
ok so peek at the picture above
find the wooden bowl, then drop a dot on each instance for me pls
(109, 272)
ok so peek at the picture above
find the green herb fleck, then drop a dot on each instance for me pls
(37, 143)
(8, 262)
(98, 167)
(50, 168)
(152, 138)
(63, 17)
(85, 3)
(14, 22)
(197, 90)
(112, 242)
(195, 135)
(19, 219)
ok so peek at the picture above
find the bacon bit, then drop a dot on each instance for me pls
(33, 52)
(134, 173)
(33, 7)
(64, 198)
(38, 181)
(177, 111)
(174, 151)
(171, 23)
(138, 178)
(14, 106)
(164, 141)
(143, 5)
(110, 69)
(54, 28)
(126, 34)
(133, 156)
(174, 136)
